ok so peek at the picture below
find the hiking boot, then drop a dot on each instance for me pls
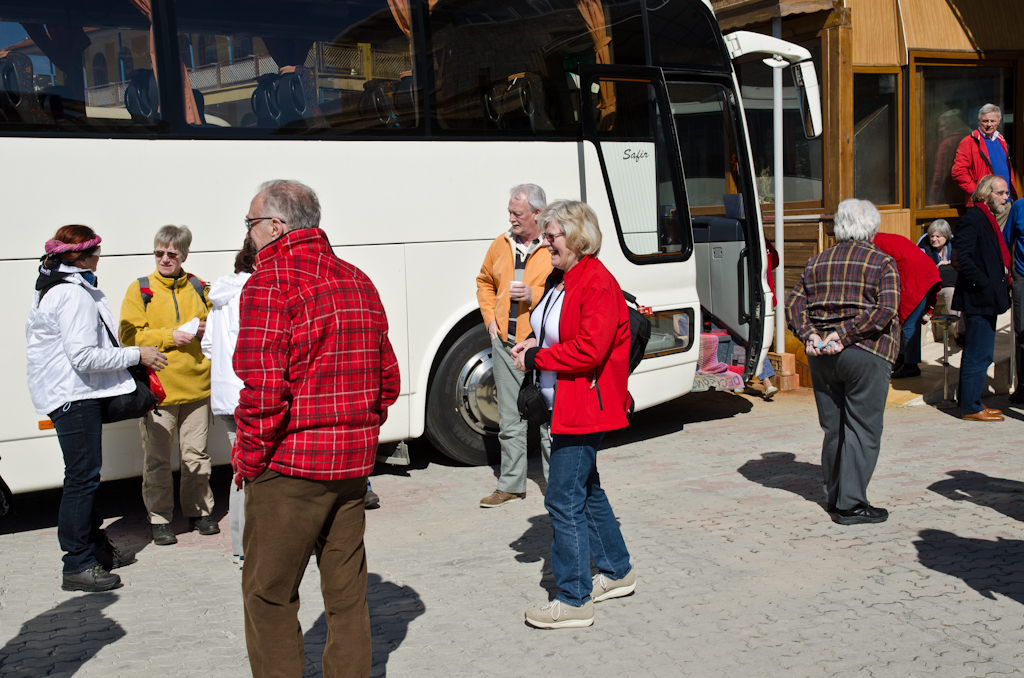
(499, 497)
(372, 501)
(558, 615)
(605, 588)
(205, 525)
(111, 557)
(163, 535)
(93, 580)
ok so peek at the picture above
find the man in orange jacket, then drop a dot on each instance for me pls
(510, 283)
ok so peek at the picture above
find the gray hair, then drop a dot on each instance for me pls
(578, 222)
(533, 194)
(295, 203)
(990, 108)
(940, 227)
(856, 220)
(178, 237)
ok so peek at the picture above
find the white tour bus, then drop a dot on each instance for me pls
(411, 119)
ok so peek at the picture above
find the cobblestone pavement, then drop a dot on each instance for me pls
(740, 571)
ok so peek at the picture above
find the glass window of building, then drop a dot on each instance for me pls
(952, 97)
(803, 169)
(875, 152)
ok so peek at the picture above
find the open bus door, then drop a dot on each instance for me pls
(728, 237)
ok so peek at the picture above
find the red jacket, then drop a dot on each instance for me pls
(318, 368)
(972, 163)
(919, 276)
(592, 356)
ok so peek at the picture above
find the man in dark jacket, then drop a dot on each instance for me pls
(981, 291)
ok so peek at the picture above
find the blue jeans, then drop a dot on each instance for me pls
(979, 345)
(79, 429)
(910, 340)
(582, 520)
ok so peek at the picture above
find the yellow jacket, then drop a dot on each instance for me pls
(186, 378)
(497, 272)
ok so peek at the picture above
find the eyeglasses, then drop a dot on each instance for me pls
(550, 237)
(159, 254)
(249, 222)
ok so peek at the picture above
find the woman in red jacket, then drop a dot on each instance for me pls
(584, 358)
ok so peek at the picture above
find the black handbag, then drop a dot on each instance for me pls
(531, 404)
(129, 405)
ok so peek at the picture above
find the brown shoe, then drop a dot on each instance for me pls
(992, 410)
(499, 497)
(984, 415)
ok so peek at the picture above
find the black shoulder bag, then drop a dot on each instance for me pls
(129, 405)
(532, 407)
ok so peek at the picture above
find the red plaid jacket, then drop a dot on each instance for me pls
(318, 368)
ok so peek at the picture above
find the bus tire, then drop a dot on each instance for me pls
(462, 410)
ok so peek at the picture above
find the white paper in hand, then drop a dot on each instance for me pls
(191, 327)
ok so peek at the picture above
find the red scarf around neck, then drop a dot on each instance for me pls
(999, 234)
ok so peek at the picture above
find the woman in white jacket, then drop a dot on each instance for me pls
(218, 345)
(72, 366)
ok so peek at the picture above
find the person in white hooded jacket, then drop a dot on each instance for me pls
(218, 346)
(73, 365)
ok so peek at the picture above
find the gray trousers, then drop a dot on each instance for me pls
(850, 389)
(513, 430)
(236, 497)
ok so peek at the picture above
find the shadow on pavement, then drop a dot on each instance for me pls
(781, 471)
(670, 417)
(392, 607)
(986, 566)
(535, 547)
(61, 639)
(1000, 494)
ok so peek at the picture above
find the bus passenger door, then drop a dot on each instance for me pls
(626, 114)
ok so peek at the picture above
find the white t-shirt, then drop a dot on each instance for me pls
(548, 311)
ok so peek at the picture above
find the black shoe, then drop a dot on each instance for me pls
(92, 580)
(1017, 397)
(905, 371)
(372, 500)
(111, 557)
(860, 515)
(205, 525)
(163, 535)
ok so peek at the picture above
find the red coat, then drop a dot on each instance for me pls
(592, 356)
(919, 276)
(972, 163)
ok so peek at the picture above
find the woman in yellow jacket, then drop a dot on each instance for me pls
(167, 309)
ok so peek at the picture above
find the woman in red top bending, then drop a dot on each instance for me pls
(584, 366)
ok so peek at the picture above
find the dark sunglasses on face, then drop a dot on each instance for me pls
(159, 254)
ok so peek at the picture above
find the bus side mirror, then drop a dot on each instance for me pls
(808, 96)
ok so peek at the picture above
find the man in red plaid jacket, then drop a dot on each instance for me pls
(319, 376)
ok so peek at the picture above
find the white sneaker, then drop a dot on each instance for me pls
(558, 615)
(605, 588)
(770, 392)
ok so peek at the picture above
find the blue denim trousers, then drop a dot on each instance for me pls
(79, 427)
(979, 345)
(910, 339)
(582, 520)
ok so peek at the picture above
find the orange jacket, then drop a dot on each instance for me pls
(497, 271)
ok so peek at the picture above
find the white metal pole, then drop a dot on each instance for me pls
(780, 276)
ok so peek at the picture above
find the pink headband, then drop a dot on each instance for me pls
(58, 247)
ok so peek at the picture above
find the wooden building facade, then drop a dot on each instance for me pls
(901, 82)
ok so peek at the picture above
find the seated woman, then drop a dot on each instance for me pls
(937, 243)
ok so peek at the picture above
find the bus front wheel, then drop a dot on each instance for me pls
(462, 408)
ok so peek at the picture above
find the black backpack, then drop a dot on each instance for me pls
(639, 332)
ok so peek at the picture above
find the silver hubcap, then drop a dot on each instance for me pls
(478, 397)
